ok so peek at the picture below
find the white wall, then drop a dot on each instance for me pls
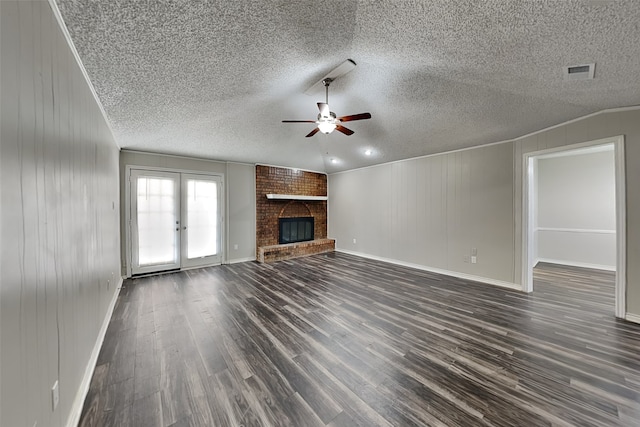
(431, 212)
(239, 198)
(60, 230)
(576, 215)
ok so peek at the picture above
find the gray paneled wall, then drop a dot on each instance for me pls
(241, 198)
(60, 238)
(431, 211)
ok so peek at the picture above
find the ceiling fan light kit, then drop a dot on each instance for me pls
(327, 120)
(326, 127)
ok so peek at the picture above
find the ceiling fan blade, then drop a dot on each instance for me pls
(298, 121)
(344, 130)
(353, 117)
(313, 132)
(324, 109)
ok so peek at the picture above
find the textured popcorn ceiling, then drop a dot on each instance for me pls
(215, 79)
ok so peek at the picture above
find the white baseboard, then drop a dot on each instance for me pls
(635, 318)
(577, 264)
(81, 395)
(236, 261)
(457, 274)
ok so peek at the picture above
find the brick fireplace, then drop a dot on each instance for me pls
(291, 182)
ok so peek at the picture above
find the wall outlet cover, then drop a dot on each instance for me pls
(474, 259)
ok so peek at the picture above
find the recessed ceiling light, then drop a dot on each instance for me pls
(368, 152)
(334, 161)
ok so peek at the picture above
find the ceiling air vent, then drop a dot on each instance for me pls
(579, 72)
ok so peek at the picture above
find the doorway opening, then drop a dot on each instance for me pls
(587, 244)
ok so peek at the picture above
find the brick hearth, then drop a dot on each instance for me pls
(294, 250)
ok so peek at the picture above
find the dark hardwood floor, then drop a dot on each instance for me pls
(337, 340)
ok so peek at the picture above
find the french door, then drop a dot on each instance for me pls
(176, 220)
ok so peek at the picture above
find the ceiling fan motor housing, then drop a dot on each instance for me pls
(331, 116)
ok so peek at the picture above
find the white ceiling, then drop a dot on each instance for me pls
(214, 79)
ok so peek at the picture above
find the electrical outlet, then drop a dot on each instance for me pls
(465, 258)
(474, 259)
(354, 240)
(474, 251)
(55, 396)
(235, 247)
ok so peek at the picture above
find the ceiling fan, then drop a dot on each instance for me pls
(327, 121)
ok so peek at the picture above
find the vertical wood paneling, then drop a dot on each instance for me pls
(60, 243)
(450, 203)
(439, 208)
(423, 194)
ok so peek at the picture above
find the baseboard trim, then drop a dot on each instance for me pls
(635, 318)
(486, 280)
(577, 264)
(239, 260)
(81, 395)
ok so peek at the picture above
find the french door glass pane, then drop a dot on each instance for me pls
(202, 218)
(157, 239)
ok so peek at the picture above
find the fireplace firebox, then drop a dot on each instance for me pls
(293, 230)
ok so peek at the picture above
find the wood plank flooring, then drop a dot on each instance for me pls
(337, 340)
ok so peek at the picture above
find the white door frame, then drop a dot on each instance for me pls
(528, 162)
(127, 206)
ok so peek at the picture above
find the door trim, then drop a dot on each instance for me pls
(528, 160)
(127, 207)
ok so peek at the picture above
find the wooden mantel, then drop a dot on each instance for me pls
(294, 197)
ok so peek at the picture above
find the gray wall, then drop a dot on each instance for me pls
(430, 211)
(60, 229)
(241, 208)
(239, 198)
(576, 209)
